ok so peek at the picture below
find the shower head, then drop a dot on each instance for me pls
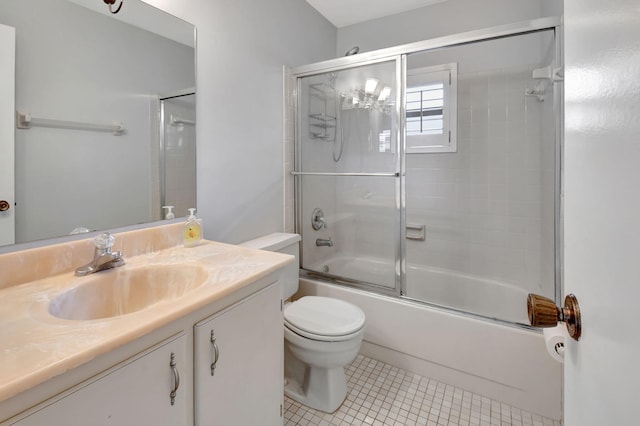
(352, 51)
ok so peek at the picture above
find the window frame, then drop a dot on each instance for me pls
(447, 140)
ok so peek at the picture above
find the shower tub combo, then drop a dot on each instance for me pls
(426, 192)
(508, 364)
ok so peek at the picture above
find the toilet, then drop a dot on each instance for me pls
(321, 335)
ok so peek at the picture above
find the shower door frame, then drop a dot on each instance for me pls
(162, 144)
(397, 174)
(399, 54)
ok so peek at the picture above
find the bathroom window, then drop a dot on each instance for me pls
(384, 139)
(431, 109)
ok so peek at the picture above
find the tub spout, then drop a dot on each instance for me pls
(321, 242)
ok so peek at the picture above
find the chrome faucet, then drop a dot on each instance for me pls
(321, 242)
(103, 257)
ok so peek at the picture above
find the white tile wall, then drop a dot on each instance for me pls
(486, 206)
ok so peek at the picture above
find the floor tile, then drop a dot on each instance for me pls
(383, 395)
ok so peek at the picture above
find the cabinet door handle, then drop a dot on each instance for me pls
(176, 378)
(216, 352)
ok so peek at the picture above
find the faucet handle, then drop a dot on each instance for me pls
(104, 241)
(317, 219)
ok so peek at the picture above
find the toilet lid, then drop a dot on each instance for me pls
(324, 316)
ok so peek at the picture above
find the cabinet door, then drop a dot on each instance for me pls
(245, 385)
(134, 393)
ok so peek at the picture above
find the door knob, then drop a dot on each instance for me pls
(544, 313)
(4, 206)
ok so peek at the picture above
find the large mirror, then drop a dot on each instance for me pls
(103, 124)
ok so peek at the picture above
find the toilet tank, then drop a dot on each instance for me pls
(281, 243)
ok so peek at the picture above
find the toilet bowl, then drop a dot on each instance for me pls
(321, 336)
(324, 335)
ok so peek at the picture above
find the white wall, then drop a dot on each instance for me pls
(450, 17)
(552, 7)
(242, 46)
(602, 231)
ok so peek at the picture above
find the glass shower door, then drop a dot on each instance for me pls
(480, 166)
(347, 166)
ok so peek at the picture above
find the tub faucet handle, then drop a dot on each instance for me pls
(317, 219)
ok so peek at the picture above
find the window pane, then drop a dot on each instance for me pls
(413, 125)
(428, 124)
(413, 106)
(433, 94)
(413, 96)
(425, 106)
(432, 104)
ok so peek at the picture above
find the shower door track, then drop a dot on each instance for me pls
(486, 34)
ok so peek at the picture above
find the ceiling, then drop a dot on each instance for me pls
(342, 13)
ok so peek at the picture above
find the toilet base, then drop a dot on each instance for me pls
(323, 389)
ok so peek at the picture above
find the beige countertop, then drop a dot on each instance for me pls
(36, 346)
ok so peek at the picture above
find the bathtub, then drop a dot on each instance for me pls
(467, 293)
(506, 363)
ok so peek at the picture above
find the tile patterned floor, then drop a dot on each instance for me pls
(383, 395)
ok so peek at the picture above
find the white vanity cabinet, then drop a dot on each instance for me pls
(240, 336)
(138, 391)
(238, 363)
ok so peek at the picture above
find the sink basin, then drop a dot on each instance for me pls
(125, 290)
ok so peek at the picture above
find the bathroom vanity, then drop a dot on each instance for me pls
(199, 355)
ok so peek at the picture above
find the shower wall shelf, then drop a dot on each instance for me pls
(25, 120)
(322, 123)
(322, 117)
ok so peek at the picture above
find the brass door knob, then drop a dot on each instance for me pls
(544, 313)
(4, 206)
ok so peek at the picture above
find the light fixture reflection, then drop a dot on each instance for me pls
(384, 93)
(370, 86)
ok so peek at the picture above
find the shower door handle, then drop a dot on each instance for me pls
(544, 313)
(355, 174)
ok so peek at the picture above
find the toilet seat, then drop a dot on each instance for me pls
(324, 318)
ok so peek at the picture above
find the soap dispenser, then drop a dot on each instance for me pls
(168, 212)
(192, 230)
